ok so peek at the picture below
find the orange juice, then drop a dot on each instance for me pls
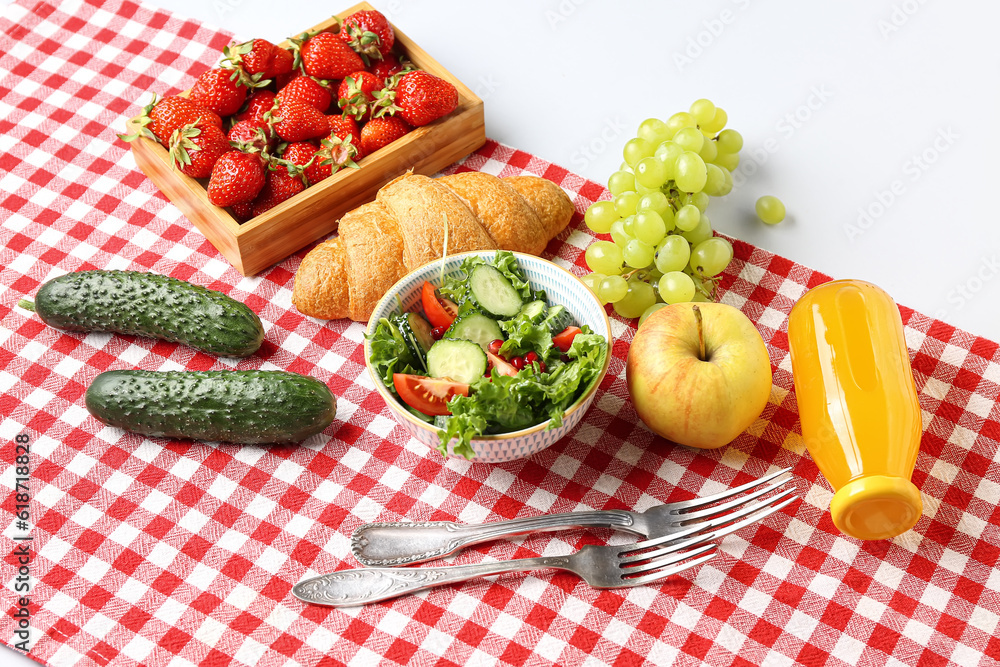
(858, 405)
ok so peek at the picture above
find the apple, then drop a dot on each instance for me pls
(698, 374)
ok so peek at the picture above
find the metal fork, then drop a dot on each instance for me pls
(392, 544)
(619, 566)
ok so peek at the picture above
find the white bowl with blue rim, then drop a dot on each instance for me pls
(561, 287)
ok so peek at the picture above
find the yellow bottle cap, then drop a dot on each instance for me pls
(876, 507)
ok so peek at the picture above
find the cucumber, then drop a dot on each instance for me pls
(534, 310)
(150, 305)
(459, 360)
(493, 293)
(416, 334)
(246, 407)
(476, 327)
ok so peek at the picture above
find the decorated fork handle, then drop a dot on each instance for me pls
(364, 585)
(392, 544)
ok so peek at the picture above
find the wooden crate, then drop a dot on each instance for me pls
(313, 214)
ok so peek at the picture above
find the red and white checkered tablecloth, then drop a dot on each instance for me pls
(153, 552)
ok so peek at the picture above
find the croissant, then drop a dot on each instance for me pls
(380, 242)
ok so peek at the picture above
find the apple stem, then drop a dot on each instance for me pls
(701, 333)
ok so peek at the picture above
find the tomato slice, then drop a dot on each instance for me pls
(503, 367)
(429, 395)
(440, 312)
(564, 339)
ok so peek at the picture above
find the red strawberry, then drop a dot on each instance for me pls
(379, 132)
(344, 126)
(390, 65)
(295, 121)
(356, 94)
(258, 103)
(159, 120)
(250, 136)
(308, 91)
(304, 154)
(325, 56)
(368, 32)
(195, 148)
(237, 178)
(334, 154)
(254, 56)
(281, 184)
(219, 90)
(242, 211)
(282, 62)
(423, 97)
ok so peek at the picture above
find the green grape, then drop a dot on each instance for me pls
(770, 210)
(592, 280)
(727, 186)
(643, 190)
(709, 150)
(718, 121)
(730, 141)
(649, 227)
(710, 257)
(627, 224)
(676, 287)
(653, 130)
(604, 257)
(727, 160)
(650, 172)
(612, 289)
(699, 297)
(700, 233)
(699, 199)
(667, 153)
(600, 215)
(654, 201)
(618, 233)
(636, 149)
(637, 254)
(649, 311)
(687, 217)
(715, 181)
(621, 181)
(626, 167)
(672, 254)
(625, 203)
(690, 173)
(703, 111)
(680, 120)
(689, 139)
(639, 297)
(652, 274)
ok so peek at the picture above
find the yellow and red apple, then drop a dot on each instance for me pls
(698, 374)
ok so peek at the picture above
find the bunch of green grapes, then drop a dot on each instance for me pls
(662, 249)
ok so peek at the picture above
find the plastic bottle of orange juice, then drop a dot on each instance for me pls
(858, 405)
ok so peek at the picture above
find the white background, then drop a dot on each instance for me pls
(839, 103)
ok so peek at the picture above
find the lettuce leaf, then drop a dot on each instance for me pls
(390, 354)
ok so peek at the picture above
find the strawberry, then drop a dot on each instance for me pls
(250, 135)
(423, 97)
(296, 121)
(379, 132)
(356, 94)
(258, 103)
(258, 56)
(389, 65)
(237, 178)
(344, 126)
(334, 153)
(220, 90)
(368, 32)
(304, 154)
(282, 183)
(308, 91)
(325, 56)
(242, 211)
(282, 62)
(195, 148)
(159, 120)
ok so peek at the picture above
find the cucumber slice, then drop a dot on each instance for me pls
(534, 310)
(476, 327)
(493, 292)
(421, 329)
(403, 325)
(458, 360)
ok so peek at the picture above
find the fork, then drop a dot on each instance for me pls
(391, 544)
(619, 566)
